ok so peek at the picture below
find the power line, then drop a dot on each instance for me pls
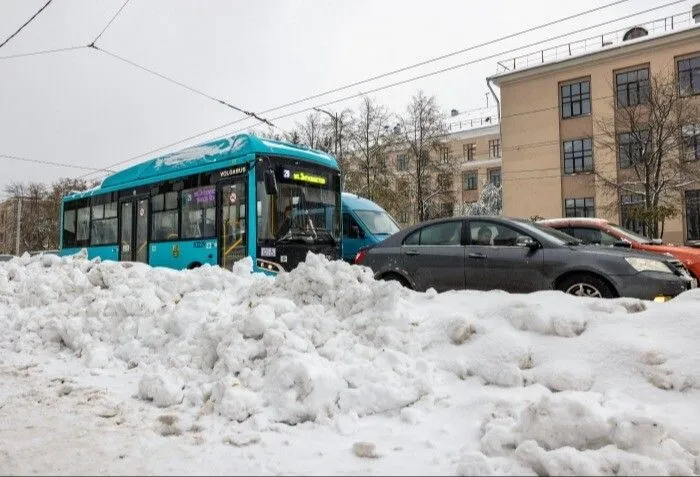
(25, 24)
(443, 70)
(51, 163)
(450, 68)
(442, 57)
(42, 52)
(108, 24)
(189, 88)
(230, 123)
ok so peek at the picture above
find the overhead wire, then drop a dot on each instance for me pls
(183, 85)
(392, 85)
(109, 23)
(25, 24)
(53, 163)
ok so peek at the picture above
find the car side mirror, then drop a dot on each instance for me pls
(526, 241)
(622, 244)
(270, 182)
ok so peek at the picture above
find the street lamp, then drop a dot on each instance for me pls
(334, 118)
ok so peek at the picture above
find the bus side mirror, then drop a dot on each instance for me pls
(270, 182)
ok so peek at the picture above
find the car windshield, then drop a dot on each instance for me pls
(628, 234)
(378, 222)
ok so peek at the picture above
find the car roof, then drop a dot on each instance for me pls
(574, 221)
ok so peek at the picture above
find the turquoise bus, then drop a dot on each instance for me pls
(192, 207)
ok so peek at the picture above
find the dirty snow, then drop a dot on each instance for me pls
(117, 368)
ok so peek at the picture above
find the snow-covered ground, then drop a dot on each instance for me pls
(113, 368)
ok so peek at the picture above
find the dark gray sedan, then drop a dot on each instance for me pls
(519, 256)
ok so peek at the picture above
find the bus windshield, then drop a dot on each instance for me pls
(306, 208)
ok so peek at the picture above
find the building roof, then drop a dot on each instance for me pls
(622, 48)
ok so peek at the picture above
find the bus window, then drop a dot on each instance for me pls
(165, 217)
(69, 228)
(199, 212)
(83, 224)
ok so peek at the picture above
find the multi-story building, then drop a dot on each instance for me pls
(552, 116)
(474, 154)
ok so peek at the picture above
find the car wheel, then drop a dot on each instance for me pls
(586, 285)
(397, 278)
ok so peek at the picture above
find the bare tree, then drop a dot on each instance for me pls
(646, 134)
(314, 134)
(36, 231)
(40, 211)
(370, 139)
(422, 130)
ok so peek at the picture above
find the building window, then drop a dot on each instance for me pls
(631, 205)
(403, 216)
(445, 155)
(469, 151)
(401, 162)
(381, 163)
(692, 214)
(689, 76)
(691, 142)
(578, 156)
(447, 210)
(576, 99)
(583, 207)
(494, 148)
(424, 158)
(631, 148)
(632, 87)
(494, 176)
(470, 180)
(445, 181)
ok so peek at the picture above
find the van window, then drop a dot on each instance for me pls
(348, 223)
(378, 222)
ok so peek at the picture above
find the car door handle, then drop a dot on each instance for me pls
(478, 256)
(412, 252)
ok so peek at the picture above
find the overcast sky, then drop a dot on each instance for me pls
(87, 108)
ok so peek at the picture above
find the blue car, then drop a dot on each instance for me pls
(364, 223)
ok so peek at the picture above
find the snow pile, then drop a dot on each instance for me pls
(560, 384)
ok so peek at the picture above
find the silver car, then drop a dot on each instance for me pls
(519, 256)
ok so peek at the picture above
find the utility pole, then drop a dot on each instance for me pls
(334, 118)
(19, 224)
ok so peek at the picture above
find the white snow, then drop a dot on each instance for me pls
(193, 153)
(117, 368)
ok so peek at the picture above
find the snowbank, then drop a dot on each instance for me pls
(558, 384)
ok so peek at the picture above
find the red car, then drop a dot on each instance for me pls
(603, 232)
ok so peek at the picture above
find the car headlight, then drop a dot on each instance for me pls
(648, 265)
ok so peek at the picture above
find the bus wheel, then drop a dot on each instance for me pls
(193, 265)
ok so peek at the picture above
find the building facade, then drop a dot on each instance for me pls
(474, 155)
(551, 124)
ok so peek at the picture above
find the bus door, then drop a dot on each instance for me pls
(232, 221)
(133, 230)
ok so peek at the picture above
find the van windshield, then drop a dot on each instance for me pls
(378, 222)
